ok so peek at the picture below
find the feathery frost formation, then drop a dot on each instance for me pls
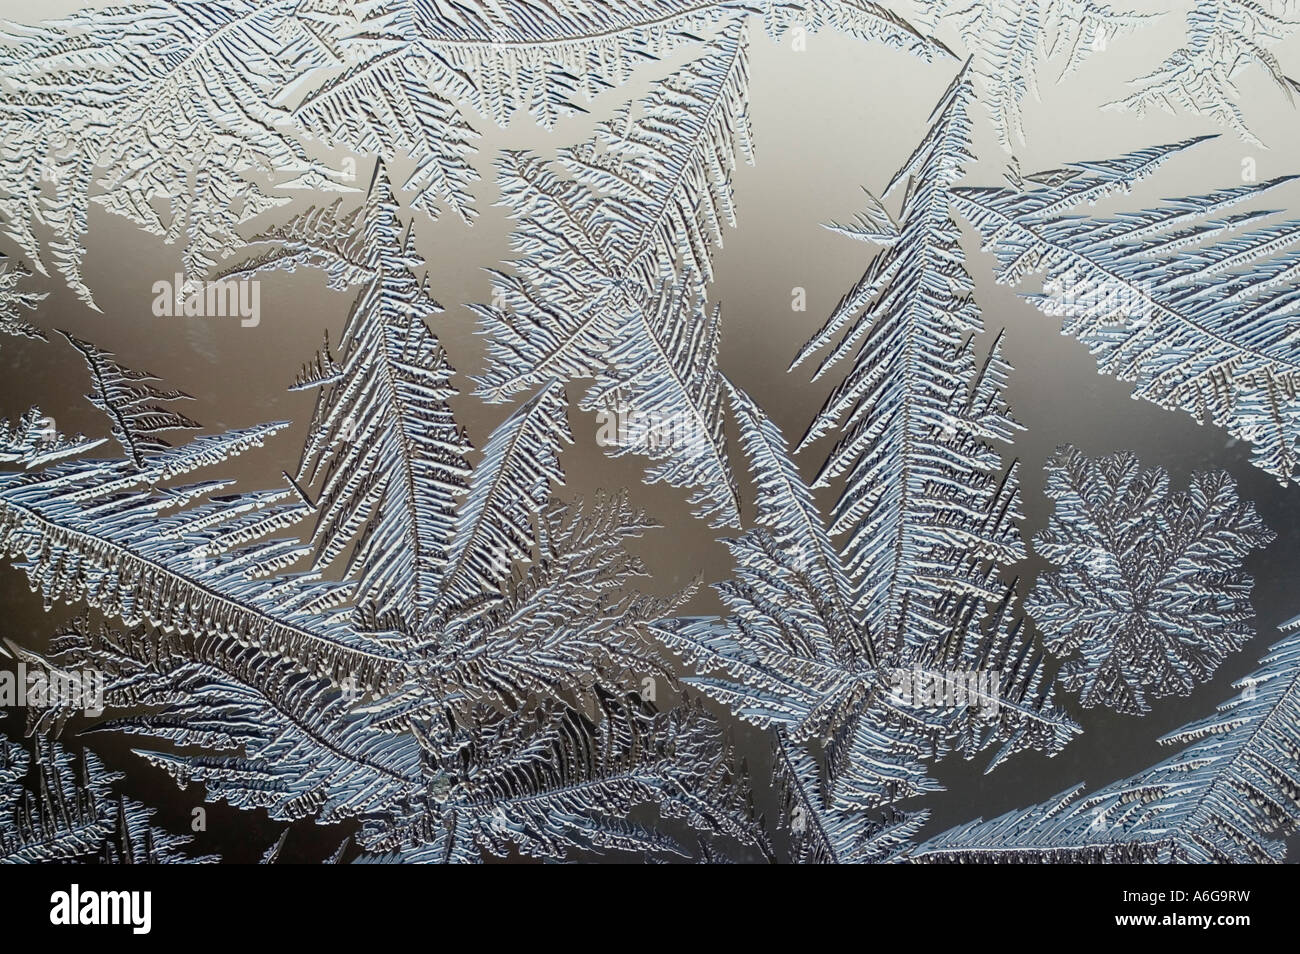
(1189, 300)
(1229, 797)
(417, 634)
(1148, 596)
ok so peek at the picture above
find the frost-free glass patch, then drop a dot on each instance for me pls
(649, 430)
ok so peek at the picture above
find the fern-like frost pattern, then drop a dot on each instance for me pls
(420, 633)
(1148, 596)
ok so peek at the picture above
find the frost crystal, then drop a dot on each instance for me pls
(1148, 596)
